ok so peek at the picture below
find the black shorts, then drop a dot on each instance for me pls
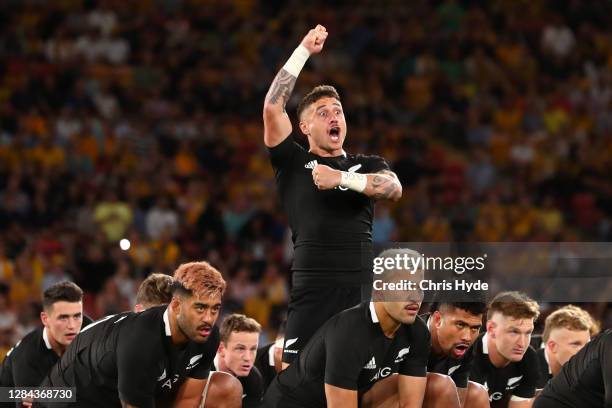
(309, 308)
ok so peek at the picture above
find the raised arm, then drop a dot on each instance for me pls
(277, 125)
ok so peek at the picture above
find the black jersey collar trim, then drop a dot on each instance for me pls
(167, 323)
(45, 337)
(485, 345)
(373, 313)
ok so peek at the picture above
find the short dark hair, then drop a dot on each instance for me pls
(474, 302)
(155, 290)
(238, 323)
(474, 308)
(62, 292)
(318, 92)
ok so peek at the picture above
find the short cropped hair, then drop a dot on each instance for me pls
(514, 304)
(62, 292)
(238, 323)
(155, 290)
(318, 92)
(568, 317)
(198, 278)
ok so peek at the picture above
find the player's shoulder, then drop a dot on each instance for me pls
(357, 319)
(28, 345)
(418, 329)
(530, 357)
(370, 162)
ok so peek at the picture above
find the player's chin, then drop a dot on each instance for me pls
(516, 355)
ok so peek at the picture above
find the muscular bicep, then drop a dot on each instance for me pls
(337, 397)
(277, 125)
(190, 393)
(411, 391)
(520, 402)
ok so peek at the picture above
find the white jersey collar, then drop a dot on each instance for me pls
(485, 345)
(46, 338)
(167, 323)
(373, 313)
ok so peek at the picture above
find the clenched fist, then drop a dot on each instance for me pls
(326, 178)
(314, 40)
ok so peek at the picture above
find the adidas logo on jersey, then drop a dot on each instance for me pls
(311, 164)
(371, 364)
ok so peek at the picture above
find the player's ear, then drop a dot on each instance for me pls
(44, 318)
(491, 325)
(437, 319)
(175, 303)
(552, 345)
(138, 307)
(304, 127)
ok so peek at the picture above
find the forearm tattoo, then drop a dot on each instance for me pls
(281, 88)
(384, 186)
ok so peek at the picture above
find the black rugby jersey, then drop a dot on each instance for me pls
(332, 229)
(517, 379)
(544, 373)
(252, 387)
(350, 351)
(585, 380)
(457, 369)
(130, 356)
(265, 363)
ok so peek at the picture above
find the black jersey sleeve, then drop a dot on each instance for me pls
(283, 154)
(136, 365)
(529, 364)
(345, 356)
(27, 372)
(6, 371)
(415, 363)
(606, 369)
(254, 389)
(376, 164)
(201, 371)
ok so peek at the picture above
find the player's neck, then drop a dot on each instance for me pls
(326, 153)
(388, 325)
(56, 346)
(553, 364)
(495, 356)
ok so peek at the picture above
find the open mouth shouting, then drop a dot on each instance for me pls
(334, 133)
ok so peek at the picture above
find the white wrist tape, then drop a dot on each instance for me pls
(296, 61)
(354, 181)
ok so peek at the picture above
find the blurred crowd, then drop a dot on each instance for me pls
(141, 121)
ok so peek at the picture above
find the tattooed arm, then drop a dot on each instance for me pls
(277, 125)
(383, 185)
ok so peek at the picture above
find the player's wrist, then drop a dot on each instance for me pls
(353, 181)
(297, 60)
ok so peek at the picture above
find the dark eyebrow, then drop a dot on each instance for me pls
(199, 304)
(333, 103)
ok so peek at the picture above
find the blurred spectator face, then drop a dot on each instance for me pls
(564, 343)
(239, 352)
(324, 124)
(63, 322)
